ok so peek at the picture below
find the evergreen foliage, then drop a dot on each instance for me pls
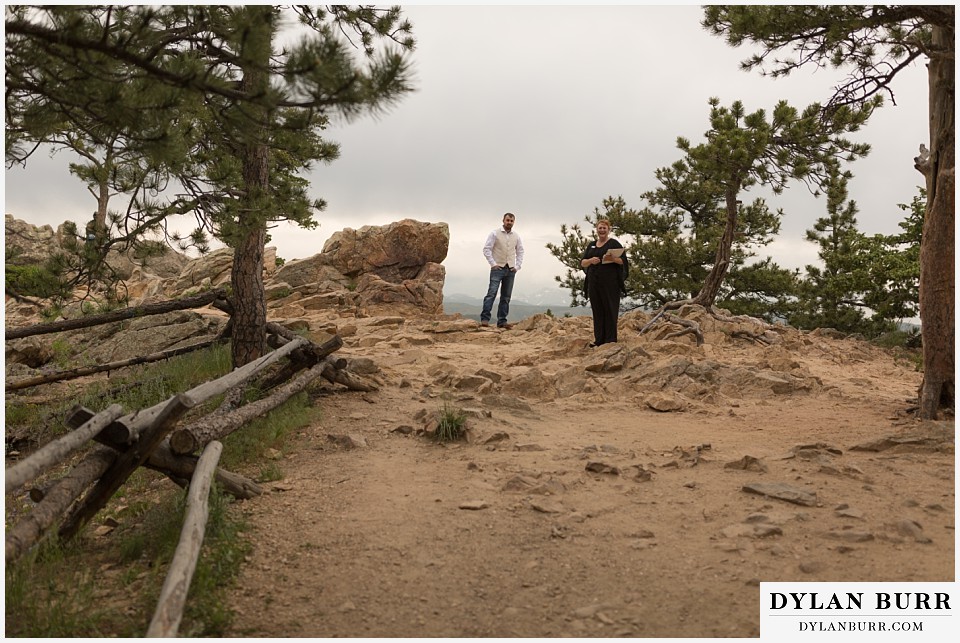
(694, 241)
(207, 95)
(874, 43)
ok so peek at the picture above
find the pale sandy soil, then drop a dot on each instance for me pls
(515, 537)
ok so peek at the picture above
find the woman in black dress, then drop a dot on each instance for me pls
(604, 282)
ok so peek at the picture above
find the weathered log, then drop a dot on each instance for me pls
(57, 499)
(58, 450)
(173, 594)
(126, 464)
(195, 301)
(339, 375)
(182, 467)
(190, 438)
(312, 352)
(178, 468)
(125, 430)
(204, 392)
(74, 373)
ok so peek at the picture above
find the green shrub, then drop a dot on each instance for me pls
(452, 424)
(33, 281)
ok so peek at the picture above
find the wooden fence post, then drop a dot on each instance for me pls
(126, 464)
(20, 537)
(173, 595)
(57, 450)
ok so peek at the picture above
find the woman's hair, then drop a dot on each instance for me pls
(604, 220)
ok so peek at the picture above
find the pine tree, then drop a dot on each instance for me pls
(250, 111)
(893, 266)
(876, 42)
(831, 296)
(699, 220)
(53, 102)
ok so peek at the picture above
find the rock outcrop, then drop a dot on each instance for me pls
(27, 244)
(394, 268)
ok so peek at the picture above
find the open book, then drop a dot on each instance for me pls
(611, 253)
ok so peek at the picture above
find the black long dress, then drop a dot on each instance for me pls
(604, 283)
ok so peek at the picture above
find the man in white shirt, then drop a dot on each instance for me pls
(504, 253)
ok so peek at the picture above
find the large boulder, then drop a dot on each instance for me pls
(423, 294)
(213, 269)
(393, 252)
(165, 265)
(395, 268)
(314, 274)
(392, 269)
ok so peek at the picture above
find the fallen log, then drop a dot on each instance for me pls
(173, 594)
(125, 464)
(182, 467)
(57, 499)
(178, 468)
(74, 373)
(312, 352)
(194, 301)
(58, 450)
(334, 372)
(190, 438)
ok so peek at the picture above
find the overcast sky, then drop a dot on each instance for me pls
(544, 111)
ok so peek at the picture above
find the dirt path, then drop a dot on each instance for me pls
(515, 537)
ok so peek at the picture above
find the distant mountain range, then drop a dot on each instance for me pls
(470, 308)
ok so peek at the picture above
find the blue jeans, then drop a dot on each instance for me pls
(500, 279)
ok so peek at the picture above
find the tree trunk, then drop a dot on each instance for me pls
(250, 311)
(711, 286)
(250, 308)
(937, 303)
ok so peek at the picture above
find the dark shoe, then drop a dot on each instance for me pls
(484, 323)
(505, 326)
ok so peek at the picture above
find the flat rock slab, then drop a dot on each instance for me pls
(547, 506)
(474, 505)
(747, 463)
(783, 492)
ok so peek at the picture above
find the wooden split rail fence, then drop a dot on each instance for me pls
(152, 438)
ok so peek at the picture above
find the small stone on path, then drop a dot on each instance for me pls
(473, 505)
